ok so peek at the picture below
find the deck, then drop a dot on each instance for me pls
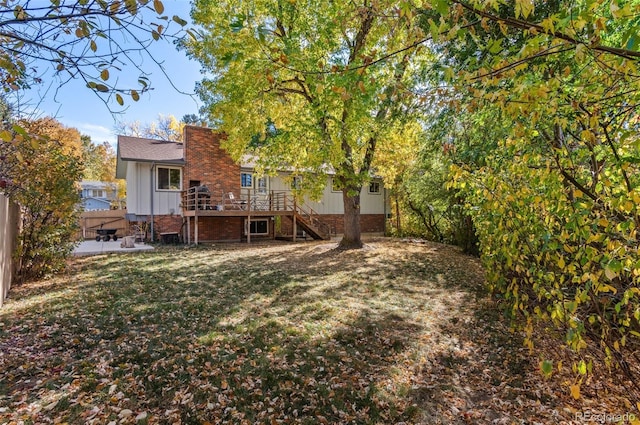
(201, 202)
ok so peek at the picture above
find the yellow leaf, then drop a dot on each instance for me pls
(224, 385)
(158, 6)
(575, 391)
(614, 8)
(6, 135)
(610, 274)
(115, 7)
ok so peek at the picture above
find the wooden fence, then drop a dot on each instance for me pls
(9, 227)
(91, 221)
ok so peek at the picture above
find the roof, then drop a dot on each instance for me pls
(151, 150)
(147, 150)
(95, 184)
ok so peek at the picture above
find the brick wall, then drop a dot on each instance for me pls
(166, 224)
(370, 223)
(207, 163)
(217, 229)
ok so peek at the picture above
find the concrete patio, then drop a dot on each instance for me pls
(92, 247)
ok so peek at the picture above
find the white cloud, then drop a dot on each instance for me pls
(98, 133)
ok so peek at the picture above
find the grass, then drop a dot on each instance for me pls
(272, 333)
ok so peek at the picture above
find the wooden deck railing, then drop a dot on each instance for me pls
(201, 198)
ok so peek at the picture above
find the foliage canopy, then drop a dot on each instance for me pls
(87, 40)
(295, 84)
(557, 203)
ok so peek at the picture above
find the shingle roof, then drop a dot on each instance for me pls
(151, 150)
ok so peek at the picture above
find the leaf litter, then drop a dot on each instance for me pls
(277, 333)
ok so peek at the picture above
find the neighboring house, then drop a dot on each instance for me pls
(195, 189)
(97, 195)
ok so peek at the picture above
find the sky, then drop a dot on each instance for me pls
(74, 105)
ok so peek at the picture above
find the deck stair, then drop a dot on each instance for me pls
(311, 223)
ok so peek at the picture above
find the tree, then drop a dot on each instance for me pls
(87, 40)
(44, 178)
(99, 160)
(194, 119)
(295, 85)
(167, 127)
(557, 204)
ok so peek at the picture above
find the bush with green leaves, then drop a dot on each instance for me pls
(557, 205)
(45, 168)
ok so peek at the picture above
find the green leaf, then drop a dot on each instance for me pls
(496, 46)
(132, 6)
(582, 367)
(237, 23)
(441, 6)
(179, 20)
(119, 99)
(546, 366)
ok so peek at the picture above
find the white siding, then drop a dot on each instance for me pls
(331, 202)
(133, 201)
(140, 190)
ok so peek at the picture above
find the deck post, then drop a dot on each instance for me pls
(188, 230)
(195, 225)
(248, 216)
(295, 229)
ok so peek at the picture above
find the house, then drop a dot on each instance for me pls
(194, 189)
(97, 195)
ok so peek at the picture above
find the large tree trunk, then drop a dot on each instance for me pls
(351, 239)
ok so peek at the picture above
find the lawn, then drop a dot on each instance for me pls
(276, 333)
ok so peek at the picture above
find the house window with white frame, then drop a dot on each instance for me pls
(374, 187)
(168, 178)
(246, 180)
(262, 185)
(257, 227)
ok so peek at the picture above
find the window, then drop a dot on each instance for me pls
(97, 193)
(246, 180)
(258, 227)
(374, 187)
(168, 178)
(262, 185)
(296, 183)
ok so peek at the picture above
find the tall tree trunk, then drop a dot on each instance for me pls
(398, 229)
(351, 238)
